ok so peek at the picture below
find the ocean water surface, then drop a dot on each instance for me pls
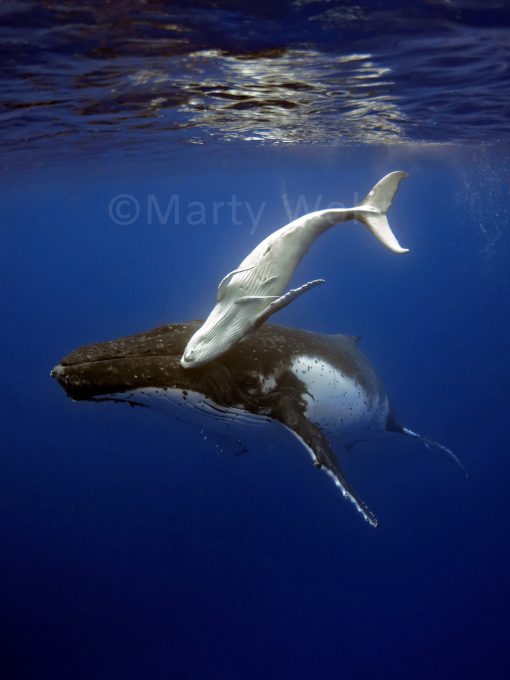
(147, 147)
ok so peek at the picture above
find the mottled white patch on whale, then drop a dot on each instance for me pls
(336, 402)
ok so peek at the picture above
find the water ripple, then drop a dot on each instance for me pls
(306, 71)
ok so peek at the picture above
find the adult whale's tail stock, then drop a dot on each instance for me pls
(372, 210)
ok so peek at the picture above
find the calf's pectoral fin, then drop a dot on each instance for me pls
(222, 287)
(255, 298)
(291, 415)
(269, 280)
(284, 300)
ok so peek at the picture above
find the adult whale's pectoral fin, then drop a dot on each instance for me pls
(222, 287)
(284, 300)
(291, 415)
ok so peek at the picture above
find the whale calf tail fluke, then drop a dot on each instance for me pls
(372, 211)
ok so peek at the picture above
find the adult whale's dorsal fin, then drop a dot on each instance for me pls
(342, 339)
(355, 339)
(290, 414)
(222, 287)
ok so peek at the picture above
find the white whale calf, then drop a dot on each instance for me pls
(254, 291)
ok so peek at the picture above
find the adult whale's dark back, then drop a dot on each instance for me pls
(313, 384)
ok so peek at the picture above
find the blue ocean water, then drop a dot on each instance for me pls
(146, 150)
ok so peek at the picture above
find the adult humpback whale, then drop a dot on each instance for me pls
(250, 294)
(312, 384)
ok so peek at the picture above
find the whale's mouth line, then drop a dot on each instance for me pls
(64, 364)
(117, 398)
